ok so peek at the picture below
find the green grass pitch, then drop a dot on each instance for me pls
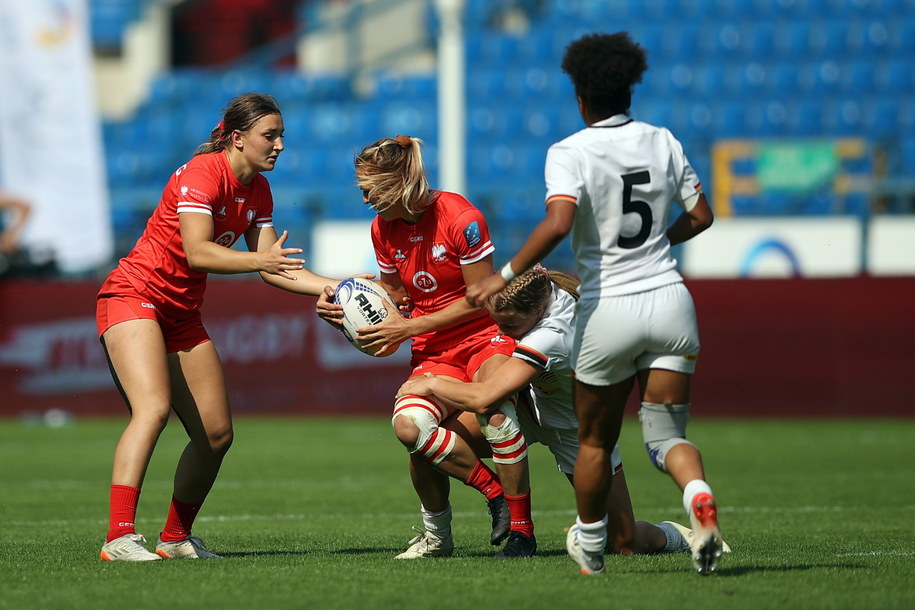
(309, 513)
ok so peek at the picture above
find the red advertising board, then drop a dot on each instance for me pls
(793, 347)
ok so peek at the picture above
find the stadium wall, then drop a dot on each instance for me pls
(781, 347)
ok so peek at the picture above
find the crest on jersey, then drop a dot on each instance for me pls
(472, 234)
(221, 213)
(438, 252)
(249, 214)
(399, 255)
(424, 281)
(226, 239)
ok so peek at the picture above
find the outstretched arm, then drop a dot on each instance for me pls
(560, 215)
(477, 397)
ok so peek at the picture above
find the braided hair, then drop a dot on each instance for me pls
(532, 289)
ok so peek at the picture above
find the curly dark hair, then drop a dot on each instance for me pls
(604, 68)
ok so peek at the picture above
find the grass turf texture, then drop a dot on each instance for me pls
(310, 512)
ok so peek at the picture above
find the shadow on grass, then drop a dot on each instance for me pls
(265, 554)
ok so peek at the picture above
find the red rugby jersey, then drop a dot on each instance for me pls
(157, 266)
(428, 256)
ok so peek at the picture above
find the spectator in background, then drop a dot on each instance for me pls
(430, 245)
(16, 213)
(149, 322)
(611, 185)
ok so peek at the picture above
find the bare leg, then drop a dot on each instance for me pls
(201, 401)
(600, 416)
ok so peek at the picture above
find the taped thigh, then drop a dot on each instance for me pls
(663, 427)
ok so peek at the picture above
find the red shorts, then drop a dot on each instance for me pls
(179, 335)
(464, 359)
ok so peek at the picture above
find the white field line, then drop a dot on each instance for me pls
(761, 510)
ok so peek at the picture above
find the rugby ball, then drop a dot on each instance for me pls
(363, 305)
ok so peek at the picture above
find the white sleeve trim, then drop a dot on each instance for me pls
(690, 202)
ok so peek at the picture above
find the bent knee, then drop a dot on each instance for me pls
(220, 442)
(406, 431)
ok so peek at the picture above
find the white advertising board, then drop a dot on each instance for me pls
(342, 248)
(776, 247)
(891, 245)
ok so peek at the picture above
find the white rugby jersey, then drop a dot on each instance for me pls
(548, 347)
(623, 174)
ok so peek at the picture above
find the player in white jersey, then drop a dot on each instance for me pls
(537, 309)
(611, 185)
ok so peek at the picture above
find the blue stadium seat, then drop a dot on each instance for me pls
(729, 119)
(805, 117)
(831, 39)
(844, 117)
(896, 75)
(858, 75)
(413, 118)
(792, 40)
(483, 84)
(821, 78)
(870, 38)
(882, 117)
(784, 77)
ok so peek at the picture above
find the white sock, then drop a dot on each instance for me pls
(592, 536)
(694, 487)
(676, 543)
(437, 523)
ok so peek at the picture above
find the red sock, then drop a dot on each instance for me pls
(519, 507)
(180, 519)
(122, 511)
(484, 480)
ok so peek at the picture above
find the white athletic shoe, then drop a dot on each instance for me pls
(706, 545)
(428, 544)
(191, 547)
(130, 547)
(589, 563)
(688, 537)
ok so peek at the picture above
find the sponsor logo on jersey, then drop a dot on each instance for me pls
(147, 305)
(424, 281)
(438, 252)
(239, 200)
(226, 239)
(415, 238)
(472, 234)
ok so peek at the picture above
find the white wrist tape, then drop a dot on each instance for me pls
(507, 272)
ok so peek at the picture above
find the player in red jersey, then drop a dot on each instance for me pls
(430, 245)
(149, 323)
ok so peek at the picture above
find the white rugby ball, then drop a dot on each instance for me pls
(363, 305)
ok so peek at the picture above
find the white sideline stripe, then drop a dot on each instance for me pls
(876, 553)
(470, 514)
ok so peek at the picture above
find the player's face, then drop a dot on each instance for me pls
(263, 143)
(387, 211)
(515, 324)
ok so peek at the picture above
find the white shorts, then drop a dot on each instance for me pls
(562, 443)
(617, 336)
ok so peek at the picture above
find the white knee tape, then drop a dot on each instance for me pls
(433, 442)
(663, 427)
(437, 446)
(506, 440)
